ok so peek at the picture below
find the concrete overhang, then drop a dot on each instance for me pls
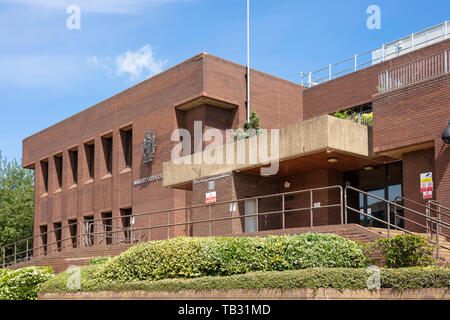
(322, 134)
(204, 99)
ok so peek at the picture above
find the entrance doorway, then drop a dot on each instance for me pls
(384, 181)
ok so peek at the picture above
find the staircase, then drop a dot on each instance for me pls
(444, 255)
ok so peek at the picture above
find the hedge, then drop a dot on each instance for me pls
(23, 284)
(338, 278)
(185, 257)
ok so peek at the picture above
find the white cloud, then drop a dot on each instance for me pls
(136, 65)
(95, 6)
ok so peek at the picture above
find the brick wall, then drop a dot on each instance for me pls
(358, 87)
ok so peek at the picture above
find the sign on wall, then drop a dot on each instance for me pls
(211, 197)
(426, 185)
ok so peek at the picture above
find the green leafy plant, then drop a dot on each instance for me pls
(185, 257)
(406, 251)
(251, 128)
(23, 284)
(314, 278)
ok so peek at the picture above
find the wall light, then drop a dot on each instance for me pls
(446, 134)
(333, 159)
(368, 168)
(287, 184)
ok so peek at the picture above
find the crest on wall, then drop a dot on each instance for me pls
(148, 147)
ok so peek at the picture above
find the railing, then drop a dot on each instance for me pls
(387, 51)
(220, 219)
(394, 205)
(415, 71)
(268, 212)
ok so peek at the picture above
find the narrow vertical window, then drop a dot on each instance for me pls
(107, 227)
(73, 232)
(90, 153)
(58, 167)
(44, 169)
(126, 136)
(57, 228)
(107, 143)
(43, 230)
(73, 157)
(126, 223)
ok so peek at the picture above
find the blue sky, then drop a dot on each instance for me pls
(49, 72)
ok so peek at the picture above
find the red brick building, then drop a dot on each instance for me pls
(90, 167)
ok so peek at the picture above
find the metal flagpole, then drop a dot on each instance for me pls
(248, 60)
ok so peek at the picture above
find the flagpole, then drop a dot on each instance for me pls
(248, 60)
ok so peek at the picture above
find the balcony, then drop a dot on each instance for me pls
(418, 70)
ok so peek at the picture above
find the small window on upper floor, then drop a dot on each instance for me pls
(58, 159)
(89, 149)
(44, 170)
(107, 143)
(126, 135)
(73, 156)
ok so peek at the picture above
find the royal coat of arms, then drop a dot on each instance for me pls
(148, 147)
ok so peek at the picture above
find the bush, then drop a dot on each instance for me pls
(99, 260)
(23, 284)
(338, 278)
(406, 251)
(195, 257)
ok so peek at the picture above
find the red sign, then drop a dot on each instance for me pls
(211, 197)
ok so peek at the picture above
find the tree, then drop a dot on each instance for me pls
(16, 202)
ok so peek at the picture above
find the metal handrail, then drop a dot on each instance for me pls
(312, 80)
(112, 230)
(439, 223)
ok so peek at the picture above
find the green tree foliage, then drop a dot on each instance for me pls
(16, 202)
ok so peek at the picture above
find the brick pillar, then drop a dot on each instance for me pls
(441, 180)
(415, 163)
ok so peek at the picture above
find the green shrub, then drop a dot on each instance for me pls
(406, 251)
(99, 260)
(195, 257)
(338, 278)
(23, 284)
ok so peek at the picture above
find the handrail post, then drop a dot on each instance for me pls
(356, 62)
(4, 257)
(437, 234)
(168, 224)
(345, 206)
(389, 220)
(210, 222)
(257, 215)
(311, 207)
(27, 250)
(149, 232)
(15, 252)
(283, 217)
(340, 200)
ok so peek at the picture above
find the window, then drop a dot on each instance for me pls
(73, 157)
(57, 228)
(89, 231)
(126, 136)
(90, 157)
(73, 231)
(58, 167)
(43, 230)
(44, 169)
(126, 223)
(107, 143)
(107, 227)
